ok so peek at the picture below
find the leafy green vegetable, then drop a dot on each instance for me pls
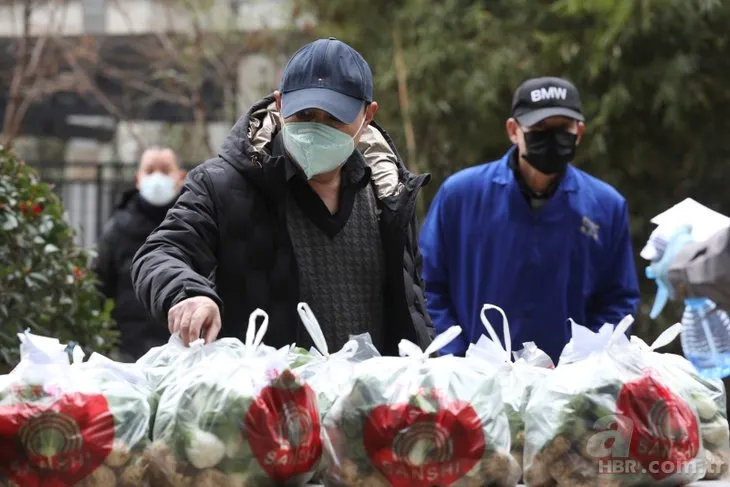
(299, 357)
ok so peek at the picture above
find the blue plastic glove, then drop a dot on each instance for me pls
(659, 270)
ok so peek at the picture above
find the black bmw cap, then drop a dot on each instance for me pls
(539, 98)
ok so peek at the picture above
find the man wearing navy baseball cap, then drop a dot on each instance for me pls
(308, 202)
(530, 233)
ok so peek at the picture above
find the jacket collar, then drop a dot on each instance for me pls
(505, 176)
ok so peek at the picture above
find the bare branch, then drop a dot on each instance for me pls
(87, 85)
(10, 124)
(164, 67)
(142, 86)
(42, 88)
(27, 85)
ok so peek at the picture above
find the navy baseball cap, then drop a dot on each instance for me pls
(539, 98)
(329, 75)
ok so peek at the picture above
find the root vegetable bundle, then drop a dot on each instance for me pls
(64, 425)
(705, 395)
(611, 419)
(231, 421)
(614, 413)
(415, 421)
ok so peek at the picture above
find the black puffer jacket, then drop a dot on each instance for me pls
(227, 238)
(123, 235)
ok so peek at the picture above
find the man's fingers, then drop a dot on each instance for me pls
(192, 316)
(213, 327)
(172, 319)
(185, 324)
(198, 322)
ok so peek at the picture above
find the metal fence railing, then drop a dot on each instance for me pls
(89, 191)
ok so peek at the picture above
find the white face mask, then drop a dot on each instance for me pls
(318, 148)
(158, 189)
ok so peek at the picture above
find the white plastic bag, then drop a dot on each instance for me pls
(706, 395)
(585, 342)
(610, 418)
(516, 379)
(64, 425)
(236, 420)
(415, 421)
(532, 355)
(172, 357)
(331, 374)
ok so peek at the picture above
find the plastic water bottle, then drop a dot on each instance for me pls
(706, 338)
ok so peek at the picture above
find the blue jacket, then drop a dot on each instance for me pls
(482, 243)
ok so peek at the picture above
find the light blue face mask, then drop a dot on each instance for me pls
(316, 147)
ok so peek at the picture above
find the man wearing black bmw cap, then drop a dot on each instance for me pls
(530, 233)
(308, 201)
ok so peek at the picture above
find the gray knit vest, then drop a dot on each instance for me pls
(342, 278)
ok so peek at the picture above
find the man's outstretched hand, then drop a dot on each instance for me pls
(194, 315)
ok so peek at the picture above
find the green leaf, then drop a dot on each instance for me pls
(11, 223)
(37, 276)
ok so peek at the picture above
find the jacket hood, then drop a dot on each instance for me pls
(247, 149)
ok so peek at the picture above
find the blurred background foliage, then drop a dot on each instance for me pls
(46, 286)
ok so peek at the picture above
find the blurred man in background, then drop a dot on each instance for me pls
(158, 182)
(530, 233)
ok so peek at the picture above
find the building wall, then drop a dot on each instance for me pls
(66, 19)
(120, 17)
(257, 74)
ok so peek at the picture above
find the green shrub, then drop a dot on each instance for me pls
(45, 283)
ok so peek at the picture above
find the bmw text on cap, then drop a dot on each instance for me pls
(540, 98)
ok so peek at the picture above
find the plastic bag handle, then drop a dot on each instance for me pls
(409, 349)
(667, 336)
(348, 350)
(75, 353)
(311, 323)
(254, 337)
(621, 329)
(42, 350)
(493, 334)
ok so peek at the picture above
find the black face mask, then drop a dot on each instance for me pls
(550, 151)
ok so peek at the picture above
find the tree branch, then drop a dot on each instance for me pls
(10, 125)
(86, 84)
